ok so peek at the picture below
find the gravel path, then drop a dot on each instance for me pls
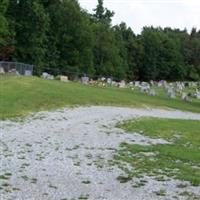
(64, 155)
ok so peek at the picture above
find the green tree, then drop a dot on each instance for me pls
(31, 24)
(162, 57)
(6, 47)
(108, 57)
(102, 14)
(131, 50)
(70, 38)
(192, 55)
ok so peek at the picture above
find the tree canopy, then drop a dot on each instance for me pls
(61, 37)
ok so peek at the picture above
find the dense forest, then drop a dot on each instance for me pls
(61, 37)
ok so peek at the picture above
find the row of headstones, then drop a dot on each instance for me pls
(177, 88)
(103, 82)
(171, 89)
(48, 76)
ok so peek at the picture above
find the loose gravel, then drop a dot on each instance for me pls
(65, 154)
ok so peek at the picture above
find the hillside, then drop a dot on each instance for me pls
(23, 95)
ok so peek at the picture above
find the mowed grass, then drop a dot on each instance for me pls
(20, 96)
(180, 159)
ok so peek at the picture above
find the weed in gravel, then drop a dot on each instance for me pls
(25, 178)
(34, 180)
(52, 186)
(3, 177)
(124, 179)
(28, 145)
(16, 189)
(86, 182)
(83, 197)
(5, 184)
(182, 185)
(77, 164)
(22, 158)
(138, 185)
(25, 165)
(190, 195)
(161, 192)
(160, 178)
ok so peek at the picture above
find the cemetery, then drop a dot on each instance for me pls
(53, 104)
(99, 103)
(184, 90)
(54, 108)
(126, 123)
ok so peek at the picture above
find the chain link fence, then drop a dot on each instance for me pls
(15, 68)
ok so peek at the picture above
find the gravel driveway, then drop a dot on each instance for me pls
(64, 155)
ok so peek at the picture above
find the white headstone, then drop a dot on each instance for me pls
(2, 70)
(152, 92)
(171, 93)
(84, 80)
(28, 73)
(122, 84)
(197, 94)
(109, 81)
(184, 97)
(45, 75)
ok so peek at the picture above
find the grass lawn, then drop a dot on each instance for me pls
(180, 159)
(20, 96)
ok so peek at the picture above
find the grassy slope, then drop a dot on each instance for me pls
(22, 95)
(181, 159)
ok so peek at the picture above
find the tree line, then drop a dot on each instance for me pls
(59, 35)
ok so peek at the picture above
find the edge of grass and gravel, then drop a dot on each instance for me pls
(179, 158)
(20, 96)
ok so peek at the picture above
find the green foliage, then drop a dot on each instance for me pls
(102, 14)
(5, 31)
(61, 37)
(180, 159)
(31, 24)
(70, 37)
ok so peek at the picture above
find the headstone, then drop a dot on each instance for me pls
(197, 94)
(131, 84)
(109, 81)
(144, 89)
(122, 84)
(160, 84)
(28, 73)
(152, 92)
(84, 80)
(45, 75)
(2, 70)
(184, 97)
(103, 78)
(137, 83)
(179, 86)
(152, 83)
(114, 83)
(171, 94)
(50, 77)
(13, 72)
(64, 79)
(164, 82)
